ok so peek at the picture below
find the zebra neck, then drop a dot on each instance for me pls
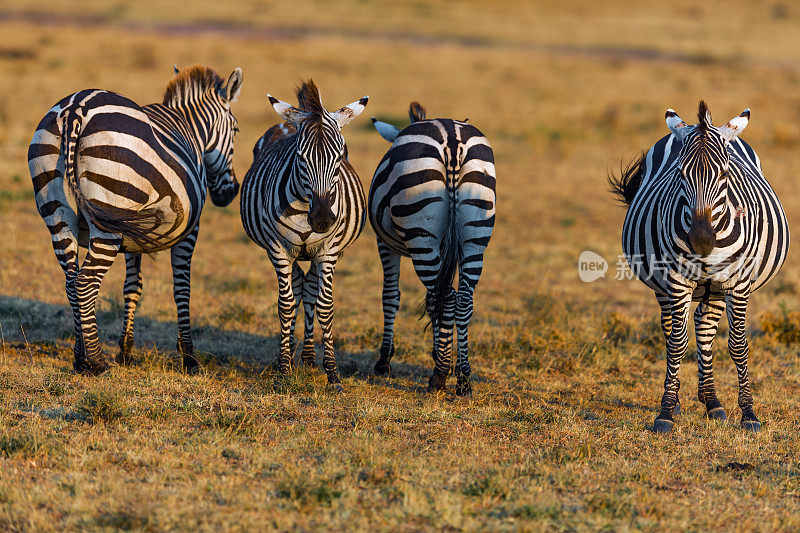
(192, 113)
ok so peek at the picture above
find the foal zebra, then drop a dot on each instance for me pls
(702, 224)
(433, 198)
(303, 201)
(115, 177)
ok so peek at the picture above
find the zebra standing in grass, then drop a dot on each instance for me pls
(303, 201)
(115, 177)
(702, 224)
(433, 198)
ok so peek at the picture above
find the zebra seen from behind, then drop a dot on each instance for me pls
(433, 199)
(113, 176)
(703, 224)
(303, 201)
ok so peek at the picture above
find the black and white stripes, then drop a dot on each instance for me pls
(303, 201)
(433, 198)
(703, 224)
(115, 177)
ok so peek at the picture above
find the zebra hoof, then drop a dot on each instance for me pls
(190, 365)
(436, 382)
(124, 358)
(751, 425)
(92, 367)
(663, 426)
(717, 414)
(464, 388)
(383, 368)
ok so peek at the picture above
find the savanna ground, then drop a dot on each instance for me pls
(567, 375)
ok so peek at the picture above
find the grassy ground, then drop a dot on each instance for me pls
(567, 374)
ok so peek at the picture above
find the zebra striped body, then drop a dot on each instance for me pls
(433, 199)
(115, 177)
(303, 201)
(706, 226)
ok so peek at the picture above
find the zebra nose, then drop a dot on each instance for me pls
(320, 217)
(702, 237)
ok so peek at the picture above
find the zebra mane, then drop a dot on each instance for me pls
(416, 112)
(309, 101)
(703, 116)
(190, 82)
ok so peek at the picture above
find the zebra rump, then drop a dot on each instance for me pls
(128, 223)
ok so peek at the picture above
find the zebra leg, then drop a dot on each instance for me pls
(463, 316)
(391, 303)
(131, 291)
(181, 259)
(297, 290)
(736, 303)
(103, 249)
(443, 343)
(310, 290)
(666, 329)
(706, 321)
(679, 301)
(65, 246)
(325, 313)
(287, 306)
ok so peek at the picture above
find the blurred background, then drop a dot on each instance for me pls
(564, 91)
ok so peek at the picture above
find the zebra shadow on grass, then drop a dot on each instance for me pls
(48, 326)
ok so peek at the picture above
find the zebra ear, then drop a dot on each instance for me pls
(175, 68)
(350, 111)
(735, 126)
(676, 124)
(287, 111)
(233, 86)
(386, 130)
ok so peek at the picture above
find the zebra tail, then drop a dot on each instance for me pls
(625, 187)
(450, 254)
(127, 223)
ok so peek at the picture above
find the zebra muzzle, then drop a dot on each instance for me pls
(321, 216)
(702, 237)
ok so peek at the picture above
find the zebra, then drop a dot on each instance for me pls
(432, 198)
(302, 200)
(112, 176)
(702, 224)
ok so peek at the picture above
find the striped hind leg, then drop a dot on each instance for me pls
(678, 304)
(132, 292)
(442, 340)
(63, 227)
(736, 304)
(391, 303)
(103, 249)
(297, 291)
(466, 289)
(181, 260)
(706, 322)
(309, 296)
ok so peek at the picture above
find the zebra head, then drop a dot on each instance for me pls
(389, 132)
(218, 154)
(200, 94)
(703, 164)
(319, 149)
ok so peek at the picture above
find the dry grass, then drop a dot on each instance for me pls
(567, 374)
